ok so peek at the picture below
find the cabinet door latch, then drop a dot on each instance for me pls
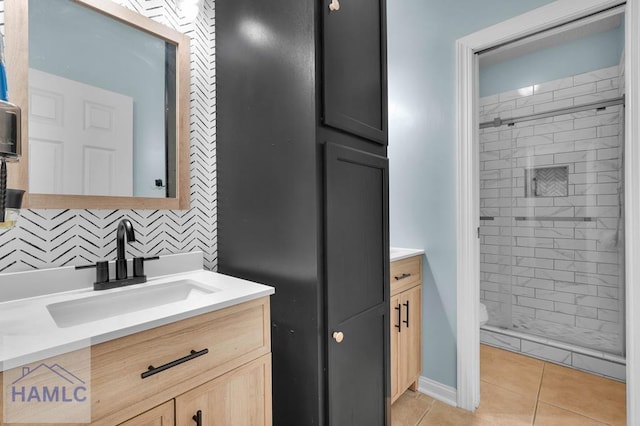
(478, 232)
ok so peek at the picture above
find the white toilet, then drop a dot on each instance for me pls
(484, 315)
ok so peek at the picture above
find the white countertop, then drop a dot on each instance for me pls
(397, 253)
(28, 332)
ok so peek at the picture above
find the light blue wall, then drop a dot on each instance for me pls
(589, 53)
(128, 61)
(422, 146)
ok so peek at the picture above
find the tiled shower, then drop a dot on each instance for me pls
(552, 225)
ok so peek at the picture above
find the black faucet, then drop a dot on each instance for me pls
(124, 228)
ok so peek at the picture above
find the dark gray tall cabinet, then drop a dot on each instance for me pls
(303, 196)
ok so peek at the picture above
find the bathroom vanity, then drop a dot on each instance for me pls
(406, 319)
(198, 353)
(228, 385)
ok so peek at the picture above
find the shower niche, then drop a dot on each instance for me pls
(547, 181)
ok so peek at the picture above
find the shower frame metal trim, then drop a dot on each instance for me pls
(497, 122)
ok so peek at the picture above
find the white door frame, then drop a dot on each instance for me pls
(467, 185)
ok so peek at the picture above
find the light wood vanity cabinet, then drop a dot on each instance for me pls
(406, 324)
(233, 341)
(229, 384)
(218, 363)
(231, 337)
(239, 397)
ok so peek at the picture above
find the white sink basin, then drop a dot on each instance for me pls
(124, 300)
(38, 322)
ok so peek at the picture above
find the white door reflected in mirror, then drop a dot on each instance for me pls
(80, 137)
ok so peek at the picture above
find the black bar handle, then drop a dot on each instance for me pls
(407, 320)
(401, 277)
(155, 370)
(198, 418)
(399, 325)
(85, 266)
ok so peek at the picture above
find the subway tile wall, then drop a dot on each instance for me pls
(559, 279)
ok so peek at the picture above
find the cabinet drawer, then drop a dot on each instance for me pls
(232, 336)
(405, 273)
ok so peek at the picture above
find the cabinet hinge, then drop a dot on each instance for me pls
(478, 232)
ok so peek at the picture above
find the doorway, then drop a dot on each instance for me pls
(468, 179)
(551, 197)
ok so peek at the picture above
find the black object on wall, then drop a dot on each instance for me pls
(302, 196)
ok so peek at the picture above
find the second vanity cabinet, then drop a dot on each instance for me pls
(406, 324)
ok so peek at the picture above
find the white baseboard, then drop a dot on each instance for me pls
(438, 391)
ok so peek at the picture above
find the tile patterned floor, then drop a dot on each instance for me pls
(518, 390)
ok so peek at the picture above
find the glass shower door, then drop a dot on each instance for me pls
(496, 238)
(551, 226)
(568, 258)
(551, 161)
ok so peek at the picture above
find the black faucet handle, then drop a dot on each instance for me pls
(138, 265)
(102, 271)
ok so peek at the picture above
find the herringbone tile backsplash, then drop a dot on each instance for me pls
(49, 238)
